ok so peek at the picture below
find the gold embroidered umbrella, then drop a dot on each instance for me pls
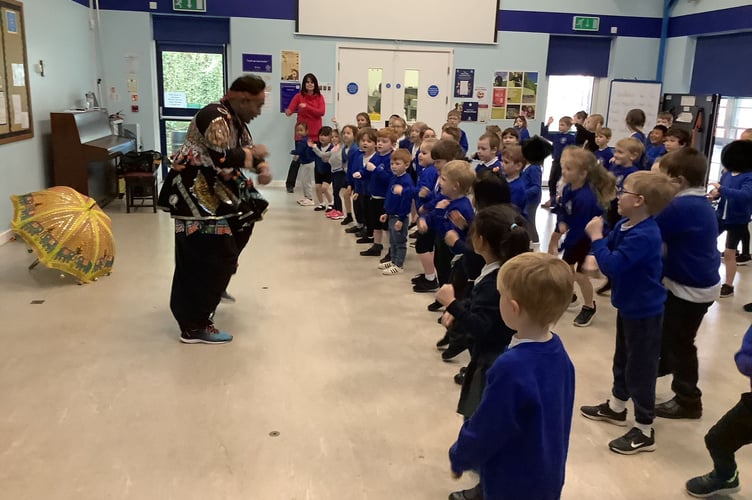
(67, 230)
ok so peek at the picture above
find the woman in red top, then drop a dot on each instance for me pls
(309, 105)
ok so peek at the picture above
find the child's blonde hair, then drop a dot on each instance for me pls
(402, 155)
(454, 112)
(540, 283)
(632, 145)
(461, 172)
(387, 133)
(605, 132)
(514, 153)
(428, 144)
(601, 180)
(657, 188)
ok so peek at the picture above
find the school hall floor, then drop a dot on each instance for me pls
(99, 399)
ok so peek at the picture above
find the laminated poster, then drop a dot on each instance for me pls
(515, 93)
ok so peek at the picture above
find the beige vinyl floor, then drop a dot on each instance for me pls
(99, 399)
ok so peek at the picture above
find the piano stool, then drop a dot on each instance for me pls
(141, 186)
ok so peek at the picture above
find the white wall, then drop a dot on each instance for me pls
(640, 8)
(56, 32)
(685, 7)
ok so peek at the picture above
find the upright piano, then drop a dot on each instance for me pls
(85, 152)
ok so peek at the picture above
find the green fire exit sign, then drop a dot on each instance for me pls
(586, 23)
(189, 5)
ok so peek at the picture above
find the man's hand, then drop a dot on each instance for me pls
(260, 151)
(398, 225)
(383, 218)
(264, 174)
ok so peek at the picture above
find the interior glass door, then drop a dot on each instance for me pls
(189, 78)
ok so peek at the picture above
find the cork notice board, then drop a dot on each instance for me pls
(15, 96)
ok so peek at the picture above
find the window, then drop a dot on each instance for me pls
(734, 117)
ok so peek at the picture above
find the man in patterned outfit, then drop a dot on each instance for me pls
(214, 205)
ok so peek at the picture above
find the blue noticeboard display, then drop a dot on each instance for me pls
(287, 92)
(433, 90)
(257, 63)
(470, 111)
(463, 82)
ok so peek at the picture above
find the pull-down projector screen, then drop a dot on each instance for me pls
(452, 21)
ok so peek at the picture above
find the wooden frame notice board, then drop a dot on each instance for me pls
(15, 96)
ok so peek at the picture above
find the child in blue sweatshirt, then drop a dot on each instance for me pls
(518, 437)
(520, 124)
(604, 154)
(454, 118)
(512, 163)
(488, 148)
(534, 150)
(399, 199)
(631, 257)
(456, 180)
(377, 174)
(730, 433)
(306, 161)
(560, 140)
(323, 169)
(588, 190)
(691, 278)
(734, 193)
(366, 139)
(654, 147)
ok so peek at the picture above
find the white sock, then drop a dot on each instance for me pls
(617, 405)
(644, 428)
(431, 277)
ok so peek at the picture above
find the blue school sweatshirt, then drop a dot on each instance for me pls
(620, 173)
(559, 141)
(631, 257)
(653, 152)
(743, 358)
(378, 180)
(523, 133)
(691, 256)
(576, 208)
(399, 204)
(463, 141)
(642, 161)
(355, 164)
(604, 156)
(303, 151)
(735, 205)
(439, 220)
(518, 438)
(426, 178)
(519, 197)
(490, 166)
(532, 176)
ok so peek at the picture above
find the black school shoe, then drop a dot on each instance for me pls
(416, 278)
(374, 251)
(444, 342)
(453, 351)
(422, 285)
(710, 484)
(364, 240)
(347, 220)
(353, 230)
(471, 494)
(743, 259)
(435, 306)
(386, 258)
(675, 410)
(633, 442)
(459, 378)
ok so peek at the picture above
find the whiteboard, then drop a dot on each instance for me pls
(631, 94)
(435, 21)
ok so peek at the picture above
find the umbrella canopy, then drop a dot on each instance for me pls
(67, 230)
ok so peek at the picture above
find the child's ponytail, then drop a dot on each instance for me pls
(504, 230)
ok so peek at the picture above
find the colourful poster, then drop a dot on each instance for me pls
(515, 93)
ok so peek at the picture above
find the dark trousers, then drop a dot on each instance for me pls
(203, 266)
(292, 174)
(730, 433)
(553, 179)
(635, 368)
(681, 321)
(532, 231)
(359, 207)
(339, 181)
(745, 240)
(442, 260)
